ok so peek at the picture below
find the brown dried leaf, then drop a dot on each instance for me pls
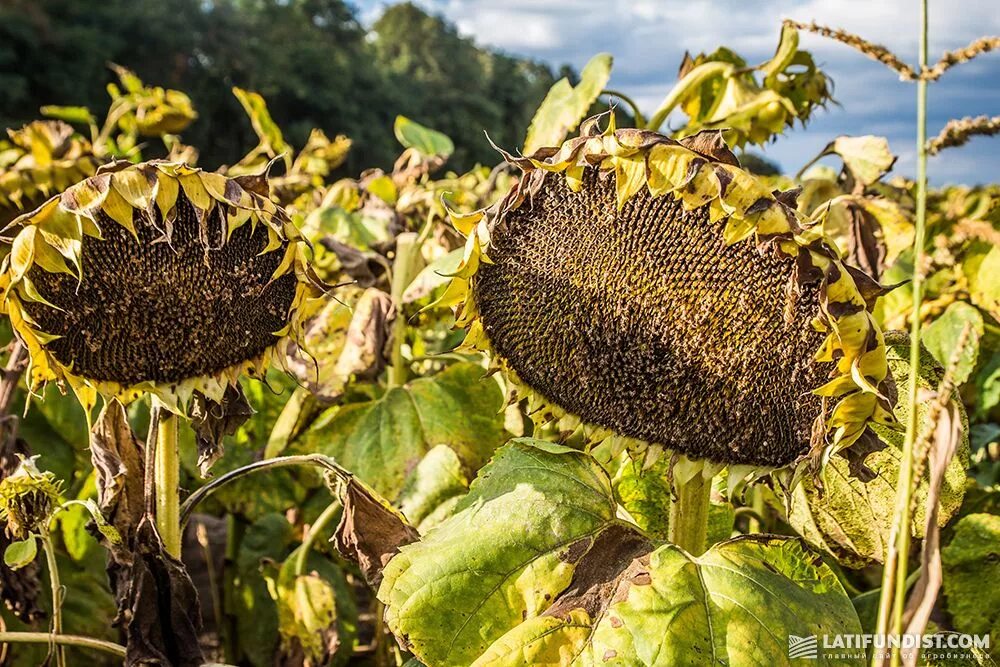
(157, 604)
(118, 462)
(213, 421)
(370, 531)
(947, 436)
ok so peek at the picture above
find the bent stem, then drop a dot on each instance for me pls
(56, 587)
(167, 481)
(691, 80)
(688, 527)
(331, 512)
(62, 640)
(318, 460)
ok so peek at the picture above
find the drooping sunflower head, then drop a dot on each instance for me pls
(28, 497)
(155, 277)
(658, 296)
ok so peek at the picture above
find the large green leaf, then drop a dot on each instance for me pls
(382, 440)
(852, 519)
(741, 603)
(509, 549)
(565, 105)
(434, 488)
(535, 567)
(970, 560)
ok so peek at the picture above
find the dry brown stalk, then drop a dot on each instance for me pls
(873, 51)
(957, 132)
(959, 56)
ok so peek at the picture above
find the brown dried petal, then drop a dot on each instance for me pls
(213, 421)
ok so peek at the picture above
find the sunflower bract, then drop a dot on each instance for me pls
(657, 296)
(165, 312)
(156, 277)
(644, 321)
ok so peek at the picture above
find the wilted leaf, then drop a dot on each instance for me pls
(739, 604)
(307, 615)
(428, 142)
(565, 105)
(382, 440)
(212, 421)
(941, 338)
(157, 604)
(21, 553)
(272, 143)
(370, 531)
(559, 579)
(852, 519)
(527, 520)
(118, 463)
(972, 559)
(865, 158)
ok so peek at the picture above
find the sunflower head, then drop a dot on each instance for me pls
(656, 296)
(27, 499)
(155, 277)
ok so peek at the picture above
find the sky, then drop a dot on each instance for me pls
(648, 38)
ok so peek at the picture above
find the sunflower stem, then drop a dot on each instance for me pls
(167, 482)
(332, 511)
(640, 121)
(403, 270)
(688, 526)
(56, 587)
(892, 600)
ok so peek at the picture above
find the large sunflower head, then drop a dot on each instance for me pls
(156, 277)
(656, 296)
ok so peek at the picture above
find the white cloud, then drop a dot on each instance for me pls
(649, 37)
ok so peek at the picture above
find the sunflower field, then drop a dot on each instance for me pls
(619, 395)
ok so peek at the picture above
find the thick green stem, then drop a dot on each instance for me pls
(404, 268)
(56, 587)
(61, 640)
(167, 483)
(892, 601)
(688, 527)
(331, 512)
(691, 80)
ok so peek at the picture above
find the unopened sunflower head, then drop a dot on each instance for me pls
(654, 296)
(28, 497)
(155, 277)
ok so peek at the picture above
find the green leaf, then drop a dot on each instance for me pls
(565, 106)
(508, 550)
(256, 614)
(307, 614)
(382, 440)
(79, 115)
(851, 520)
(21, 553)
(428, 142)
(434, 488)
(941, 338)
(739, 604)
(970, 560)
